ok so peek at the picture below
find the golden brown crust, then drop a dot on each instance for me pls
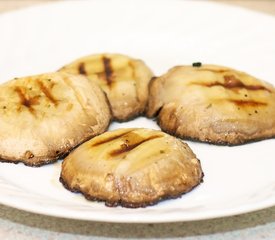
(45, 116)
(123, 79)
(213, 104)
(124, 203)
(131, 168)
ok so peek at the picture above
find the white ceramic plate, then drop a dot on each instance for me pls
(163, 33)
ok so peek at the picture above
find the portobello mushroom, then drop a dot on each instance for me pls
(132, 168)
(45, 116)
(214, 104)
(123, 79)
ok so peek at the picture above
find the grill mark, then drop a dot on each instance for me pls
(132, 67)
(27, 101)
(68, 83)
(108, 71)
(231, 82)
(82, 69)
(47, 93)
(130, 64)
(213, 70)
(247, 103)
(24, 100)
(127, 147)
(52, 84)
(110, 139)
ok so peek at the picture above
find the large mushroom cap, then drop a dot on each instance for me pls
(43, 117)
(132, 168)
(213, 104)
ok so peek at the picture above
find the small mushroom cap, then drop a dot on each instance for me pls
(123, 79)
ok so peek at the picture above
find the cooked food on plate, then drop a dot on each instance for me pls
(123, 79)
(43, 117)
(132, 168)
(213, 104)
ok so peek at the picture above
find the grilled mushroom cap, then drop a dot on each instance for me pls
(43, 117)
(213, 104)
(131, 168)
(124, 80)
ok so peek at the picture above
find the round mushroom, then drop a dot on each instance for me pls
(45, 116)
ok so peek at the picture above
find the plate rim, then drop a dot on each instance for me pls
(44, 211)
